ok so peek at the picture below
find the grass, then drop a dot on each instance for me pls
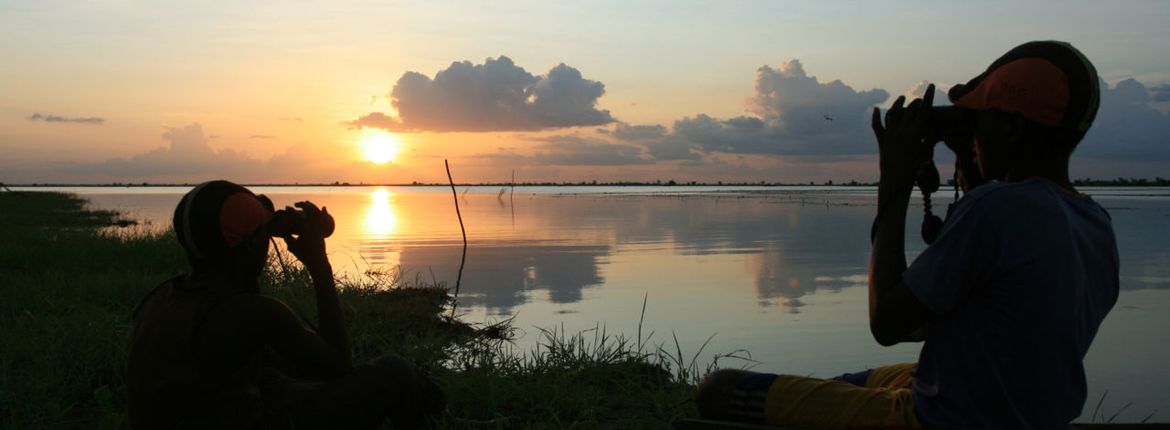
(70, 283)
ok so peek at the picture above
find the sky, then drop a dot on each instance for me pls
(383, 92)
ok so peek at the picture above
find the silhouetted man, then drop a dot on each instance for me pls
(1008, 297)
(210, 351)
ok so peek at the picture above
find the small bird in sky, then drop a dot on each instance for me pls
(828, 118)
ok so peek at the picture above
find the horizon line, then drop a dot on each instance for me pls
(1119, 181)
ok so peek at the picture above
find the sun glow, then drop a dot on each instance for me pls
(380, 147)
(380, 217)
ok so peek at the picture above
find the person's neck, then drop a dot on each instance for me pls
(1055, 174)
(1044, 163)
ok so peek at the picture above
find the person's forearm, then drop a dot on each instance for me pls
(888, 258)
(332, 323)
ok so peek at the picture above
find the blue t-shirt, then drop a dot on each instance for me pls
(1019, 279)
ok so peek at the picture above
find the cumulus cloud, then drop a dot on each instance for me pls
(792, 114)
(65, 119)
(497, 95)
(1127, 126)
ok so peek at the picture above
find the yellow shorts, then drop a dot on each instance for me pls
(885, 402)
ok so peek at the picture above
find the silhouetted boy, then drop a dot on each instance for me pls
(1009, 296)
(210, 351)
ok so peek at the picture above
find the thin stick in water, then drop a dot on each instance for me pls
(511, 201)
(462, 260)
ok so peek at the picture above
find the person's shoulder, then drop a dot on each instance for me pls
(996, 193)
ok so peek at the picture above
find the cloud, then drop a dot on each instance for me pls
(1160, 93)
(187, 157)
(638, 132)
(574, 150)
(659, 143)
(65, 119)
(1127, 127)
(376, 120)
(494, 96)
(187, 153)
(791, 114)
(673, 148)
(261, 136)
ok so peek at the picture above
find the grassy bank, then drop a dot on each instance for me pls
(69, 286)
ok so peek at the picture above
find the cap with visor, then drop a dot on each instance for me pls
(1048, 82)
(218, 215)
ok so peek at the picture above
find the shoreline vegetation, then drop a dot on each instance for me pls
(70, 284)
(1083, 182)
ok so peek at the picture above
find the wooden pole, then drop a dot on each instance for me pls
(462, 260)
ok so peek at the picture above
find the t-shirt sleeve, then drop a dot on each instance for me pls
(962, 255)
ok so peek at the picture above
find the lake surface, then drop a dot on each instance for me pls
(777, 271)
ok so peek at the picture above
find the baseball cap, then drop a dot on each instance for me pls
(1048, 82)
(216, 216)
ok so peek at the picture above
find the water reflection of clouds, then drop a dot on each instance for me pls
(558, 246)
(790, 250)
(501, 276)
(546, 248)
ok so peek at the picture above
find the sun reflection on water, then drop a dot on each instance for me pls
(380, 217)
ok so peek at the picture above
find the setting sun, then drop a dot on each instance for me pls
(380, 147)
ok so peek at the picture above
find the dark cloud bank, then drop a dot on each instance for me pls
(1127, 126)
(790, 114)
(497, 95)
(793, 115)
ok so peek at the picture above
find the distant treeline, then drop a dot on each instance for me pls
(1083, 182)
(1123, 182)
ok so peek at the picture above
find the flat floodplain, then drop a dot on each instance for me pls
(779, 272)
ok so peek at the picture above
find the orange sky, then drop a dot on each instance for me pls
(125, 91)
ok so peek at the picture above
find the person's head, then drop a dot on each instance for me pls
(1030, 108)
(221, 226)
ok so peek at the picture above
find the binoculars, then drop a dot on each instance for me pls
(293, 221)
(949, 122)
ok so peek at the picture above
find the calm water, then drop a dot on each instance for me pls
(778, 272)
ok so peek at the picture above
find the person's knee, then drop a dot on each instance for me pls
(715, 390)
(403, 382)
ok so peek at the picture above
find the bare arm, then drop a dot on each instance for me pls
(894, 313)
(309, 248)
(329, 310)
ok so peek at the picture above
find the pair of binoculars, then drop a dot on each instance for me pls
(950, 122)
(291, 221)
(295, 222)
